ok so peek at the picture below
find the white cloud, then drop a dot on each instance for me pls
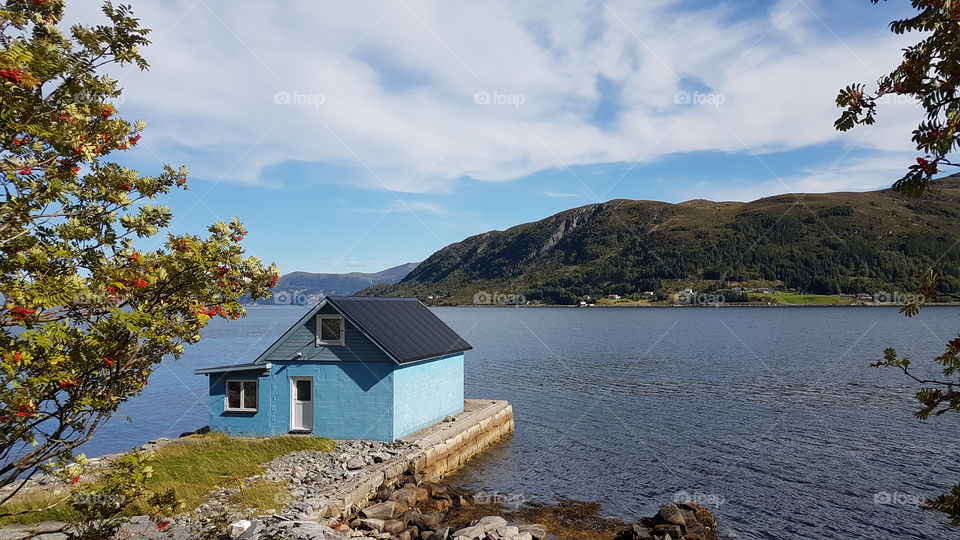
(389, 88)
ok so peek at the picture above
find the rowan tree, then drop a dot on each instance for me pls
(929, 73)
(93, 297)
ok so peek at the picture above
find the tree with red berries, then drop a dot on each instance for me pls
(929, 73)
(86, 311)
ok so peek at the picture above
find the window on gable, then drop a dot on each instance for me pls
(329, 330)
(242, 396)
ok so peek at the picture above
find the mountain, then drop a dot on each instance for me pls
(821, 243)
(305, 288)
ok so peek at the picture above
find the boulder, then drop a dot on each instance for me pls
(474, 532)
(301, 530)
(539, 532)
(670, 513)
(439, 505)
(371, 524)
(421, 493)
(384, 510)
(405, 495)
(428, 520)
(394, 526)
(434, 489)
(509, 531)
(491, 523)
(239, 527)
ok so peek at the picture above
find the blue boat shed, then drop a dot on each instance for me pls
(353, 367)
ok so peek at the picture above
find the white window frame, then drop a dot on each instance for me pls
(226, 395)
(343, 330)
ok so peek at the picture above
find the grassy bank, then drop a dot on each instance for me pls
(193, 467)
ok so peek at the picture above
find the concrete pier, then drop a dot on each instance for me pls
(436, 452)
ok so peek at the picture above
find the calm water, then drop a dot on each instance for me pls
(770, 416)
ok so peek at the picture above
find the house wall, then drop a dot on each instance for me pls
(351, 400)
(426, 392)
(240, 423)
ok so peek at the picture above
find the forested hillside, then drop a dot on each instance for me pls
(810, 243)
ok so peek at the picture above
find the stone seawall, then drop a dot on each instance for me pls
(433, 453)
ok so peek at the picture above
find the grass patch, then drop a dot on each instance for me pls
(192, 467)
(261, 496)
(781, 297)
(33, 501)
(207, 462)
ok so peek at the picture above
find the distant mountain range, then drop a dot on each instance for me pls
(307, 288)
(813, 243)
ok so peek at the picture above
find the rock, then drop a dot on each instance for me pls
(439, 505)
(238, 527)
(434, 489)
(302, 530)
(509, 531)
(491, 523)
(670, 513)
(394, 526)
(474, 532)
(385, 510)
(422, 494)
(405, 495)
(523, 536)
(539, 532)
(371, 524)
(355, 463)
(429, 520)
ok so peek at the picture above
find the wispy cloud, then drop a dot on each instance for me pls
(389, 91)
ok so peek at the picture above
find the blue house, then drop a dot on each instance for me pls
(352, 368)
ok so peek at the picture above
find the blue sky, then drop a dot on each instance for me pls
(354, 139)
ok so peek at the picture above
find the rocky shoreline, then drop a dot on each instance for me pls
(432, 511)
(405, 508)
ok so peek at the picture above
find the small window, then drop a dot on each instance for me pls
(242, 396)
(303, 390)
(329, 330)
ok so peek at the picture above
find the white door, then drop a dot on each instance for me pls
(302, 394)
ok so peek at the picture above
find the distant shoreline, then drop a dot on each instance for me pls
(723, 305)
(644, 306)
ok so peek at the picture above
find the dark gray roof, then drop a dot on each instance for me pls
(403, 327)
(235, 367)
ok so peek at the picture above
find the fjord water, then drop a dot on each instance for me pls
(771, 417)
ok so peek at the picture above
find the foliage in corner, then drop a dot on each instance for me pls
(930, 73)
(86, 313)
